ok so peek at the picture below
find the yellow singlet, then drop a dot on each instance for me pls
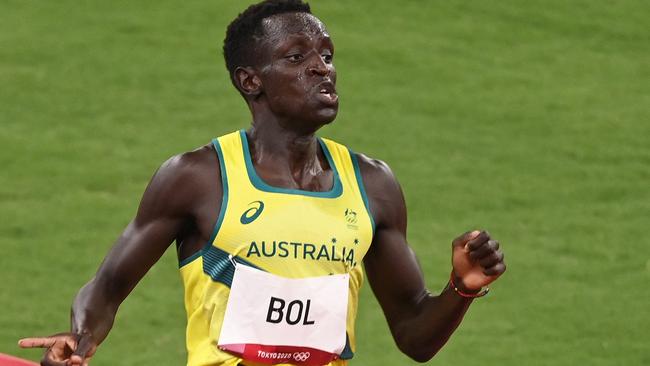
(288, 232)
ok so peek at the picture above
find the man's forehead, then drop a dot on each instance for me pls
(282, 25)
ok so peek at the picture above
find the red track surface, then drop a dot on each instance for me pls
(6, 360)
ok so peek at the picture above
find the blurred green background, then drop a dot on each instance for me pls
(530, 119)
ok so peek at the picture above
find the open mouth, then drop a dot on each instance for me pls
(328, 92)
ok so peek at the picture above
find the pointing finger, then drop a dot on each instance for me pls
(43, 342)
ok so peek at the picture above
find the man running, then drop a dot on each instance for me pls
(273, 224)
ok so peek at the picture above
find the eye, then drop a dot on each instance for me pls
(327, 58)
(296, 57)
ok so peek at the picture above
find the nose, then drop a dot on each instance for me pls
(318, 67)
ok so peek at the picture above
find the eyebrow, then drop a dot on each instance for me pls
(295, 37)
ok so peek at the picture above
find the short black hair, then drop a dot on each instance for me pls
(239, 45)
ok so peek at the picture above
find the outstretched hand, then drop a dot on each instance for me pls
(477, 260)
(63, 349)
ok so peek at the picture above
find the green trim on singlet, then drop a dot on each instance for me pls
(337, 187)
(357, 173)
(218, 264)
(347, 353)
(222, 211)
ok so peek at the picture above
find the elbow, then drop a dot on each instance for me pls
(418, 349)
(421, 355)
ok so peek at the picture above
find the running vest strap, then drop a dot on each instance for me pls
(287, 232)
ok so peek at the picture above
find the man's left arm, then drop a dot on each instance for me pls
(421, 323)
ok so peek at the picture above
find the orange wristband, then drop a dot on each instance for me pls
(464, 294)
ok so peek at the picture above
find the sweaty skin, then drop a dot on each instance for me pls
(291, 94)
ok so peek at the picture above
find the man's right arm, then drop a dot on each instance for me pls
(421, 323)
(170, 201)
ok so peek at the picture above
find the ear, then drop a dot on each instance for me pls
(248, 82)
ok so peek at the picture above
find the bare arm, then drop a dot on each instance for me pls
(159, 218)
(171, 201)
(421, 323)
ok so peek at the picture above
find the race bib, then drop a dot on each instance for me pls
(272, 319)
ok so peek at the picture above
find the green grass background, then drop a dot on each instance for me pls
(530, 119)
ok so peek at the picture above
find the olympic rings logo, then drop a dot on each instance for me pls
(301, 356)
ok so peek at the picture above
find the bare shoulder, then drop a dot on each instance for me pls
(376, 174)
(183, 180)
(190, 162)
(188, 168)
(383, 190)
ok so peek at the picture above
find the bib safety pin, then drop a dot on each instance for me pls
(232, 260)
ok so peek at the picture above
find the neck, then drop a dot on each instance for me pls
(279, 152)
(271, 141)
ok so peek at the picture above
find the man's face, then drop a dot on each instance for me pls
(296, 69)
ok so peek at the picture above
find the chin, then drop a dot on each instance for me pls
(327, 116)
(312, 119)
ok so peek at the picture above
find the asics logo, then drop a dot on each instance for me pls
(252, 213)
(301, 356)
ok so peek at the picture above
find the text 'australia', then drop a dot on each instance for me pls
(297, 250)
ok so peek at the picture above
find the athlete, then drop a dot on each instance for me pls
(275, 204)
